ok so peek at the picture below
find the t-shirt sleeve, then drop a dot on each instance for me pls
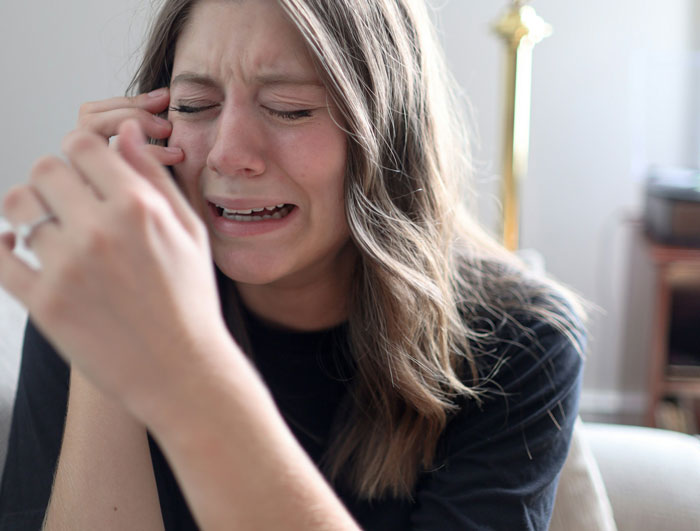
(499, 462)
(35, 434)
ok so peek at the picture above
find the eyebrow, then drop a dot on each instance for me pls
(263, 79)
(193, 79)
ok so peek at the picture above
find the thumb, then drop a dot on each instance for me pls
(132, 146)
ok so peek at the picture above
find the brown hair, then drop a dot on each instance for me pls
(427, 271)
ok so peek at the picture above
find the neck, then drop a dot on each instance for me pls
(315, 302)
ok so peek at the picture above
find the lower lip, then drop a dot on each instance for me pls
(232, 228)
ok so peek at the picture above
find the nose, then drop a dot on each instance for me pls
(239, 144)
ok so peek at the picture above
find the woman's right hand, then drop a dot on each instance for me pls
(104, 117)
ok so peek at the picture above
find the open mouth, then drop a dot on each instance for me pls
(254, 214)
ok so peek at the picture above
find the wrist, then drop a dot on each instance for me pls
(183, 390)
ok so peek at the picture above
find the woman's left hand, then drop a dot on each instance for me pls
(126, 290)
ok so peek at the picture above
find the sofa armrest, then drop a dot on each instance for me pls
(652, 476)
(582, 502)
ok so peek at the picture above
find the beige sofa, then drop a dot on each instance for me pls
(629, 478)
(616, 477)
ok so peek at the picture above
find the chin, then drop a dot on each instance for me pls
(248, 271)
(254, 278)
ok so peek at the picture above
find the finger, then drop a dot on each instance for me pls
(63, 190)
(23, 205)
(100, 166)
(15, 276)
(107, 123)
(133, 149)
(165, 155)
(153, 102)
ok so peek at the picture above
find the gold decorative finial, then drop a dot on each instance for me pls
(521, 29)
(521, 22)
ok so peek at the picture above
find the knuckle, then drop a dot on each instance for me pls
(137, 204)
(13, 197)
(95, 242)
(78, 142)
(43, 167)
(86, 109)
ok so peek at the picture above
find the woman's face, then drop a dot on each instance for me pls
(264, 160)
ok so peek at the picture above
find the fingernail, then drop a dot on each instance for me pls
(158, 92)
(174, 150)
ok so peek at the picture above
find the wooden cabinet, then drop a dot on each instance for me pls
(674, 369)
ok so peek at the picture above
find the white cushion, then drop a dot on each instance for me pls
(12, 321)
(652, 476)
(582, 503)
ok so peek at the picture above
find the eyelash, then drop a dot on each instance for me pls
(285, 115)
(188, 109)
(291, 115)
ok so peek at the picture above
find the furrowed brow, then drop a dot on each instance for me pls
(192, 78)
(287, 79)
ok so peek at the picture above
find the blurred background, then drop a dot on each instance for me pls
(615, 90)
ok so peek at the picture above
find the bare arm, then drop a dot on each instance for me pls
(104, 478)
(236, 460)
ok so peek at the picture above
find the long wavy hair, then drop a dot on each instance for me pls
(432, 288)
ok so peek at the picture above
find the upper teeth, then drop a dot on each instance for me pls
(250, 210)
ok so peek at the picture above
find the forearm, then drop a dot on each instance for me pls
(237, 462)
(104, 479)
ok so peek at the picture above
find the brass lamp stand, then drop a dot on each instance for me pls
(521, 29)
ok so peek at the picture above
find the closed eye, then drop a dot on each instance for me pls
(285, 115)
(291, 115)
(190, 109)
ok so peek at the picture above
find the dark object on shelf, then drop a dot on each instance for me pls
(672, 210)
(683, 329)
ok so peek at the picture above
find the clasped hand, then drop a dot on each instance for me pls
(126, 291)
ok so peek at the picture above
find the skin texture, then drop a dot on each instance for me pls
(240, 148)
(127, 294)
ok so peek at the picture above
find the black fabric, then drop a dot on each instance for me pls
(497, 465)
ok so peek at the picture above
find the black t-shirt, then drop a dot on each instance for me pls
(496, 466)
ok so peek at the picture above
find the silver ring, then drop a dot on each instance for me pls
(23, 231)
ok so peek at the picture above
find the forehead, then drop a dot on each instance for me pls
(242, 38)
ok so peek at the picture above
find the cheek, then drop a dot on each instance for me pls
(192, 139)
(332, 164)
(318, 159)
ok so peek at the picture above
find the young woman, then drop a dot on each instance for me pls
(360, 356)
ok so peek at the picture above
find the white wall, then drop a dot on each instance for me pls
(611, 93)
(53, 57)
